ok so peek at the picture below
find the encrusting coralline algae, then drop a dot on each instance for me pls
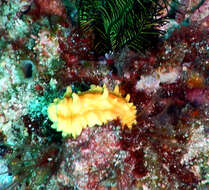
(159, 142)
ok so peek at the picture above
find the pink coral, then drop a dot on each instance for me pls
(98, 156)
(50, 7)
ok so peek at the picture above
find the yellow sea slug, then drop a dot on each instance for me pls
(93, 107)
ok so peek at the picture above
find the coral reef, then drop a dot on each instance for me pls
(97, 166)
(161, 141)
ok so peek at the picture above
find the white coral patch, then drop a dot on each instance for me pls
(148, 83)
(151, 83)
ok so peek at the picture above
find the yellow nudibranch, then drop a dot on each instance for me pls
(96, 106)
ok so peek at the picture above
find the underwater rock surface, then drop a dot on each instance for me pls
(44, 49)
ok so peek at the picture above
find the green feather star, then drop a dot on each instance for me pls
(119, 23)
